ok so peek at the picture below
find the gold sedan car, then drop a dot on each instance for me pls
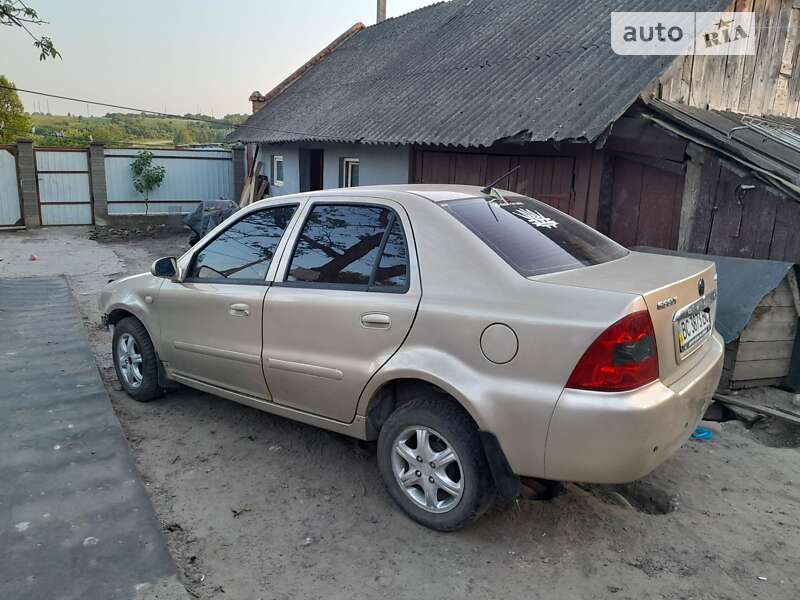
(478, 336)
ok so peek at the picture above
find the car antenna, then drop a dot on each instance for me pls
(489, 189)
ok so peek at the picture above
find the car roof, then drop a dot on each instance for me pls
(430, 191)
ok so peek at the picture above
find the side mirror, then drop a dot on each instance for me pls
(166, 267)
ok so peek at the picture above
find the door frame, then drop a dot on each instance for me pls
(12, 150)
(88, 173)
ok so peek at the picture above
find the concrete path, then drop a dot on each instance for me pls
(75, 521)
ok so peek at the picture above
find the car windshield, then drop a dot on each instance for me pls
(533, 237)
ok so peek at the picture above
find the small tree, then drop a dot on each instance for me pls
(146, 177)
(13, 120)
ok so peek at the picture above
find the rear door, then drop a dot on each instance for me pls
(345, 297)
(211, 321)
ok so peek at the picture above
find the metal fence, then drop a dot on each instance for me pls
(191, 177)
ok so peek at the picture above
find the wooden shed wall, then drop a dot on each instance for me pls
(732, 213)
(767, 83)
(568, 178)
(763, 352)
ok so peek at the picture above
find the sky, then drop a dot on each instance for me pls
(176, 56)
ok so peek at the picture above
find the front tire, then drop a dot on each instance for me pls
(135, 360)
(432, 463)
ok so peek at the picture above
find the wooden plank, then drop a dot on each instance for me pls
(726, 227)
(469, 169)
(789, 417)
(776, 84)
(698, 237)
(780, 296)
(627, 193)
(583, 171)
(772, 350)
(731, 352)
(770, 323)
(742, 384)
(749, 67)
(689, 198)
(436, 167)
(656, 209)
(734, 68)
(637, 136)
(785, 244)
(595, 181)
(761, 369)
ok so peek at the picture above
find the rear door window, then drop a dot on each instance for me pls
(351, 245)
(533, 237)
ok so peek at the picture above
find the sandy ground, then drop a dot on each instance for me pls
(255, 506)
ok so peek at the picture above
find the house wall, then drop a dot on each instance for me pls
(378, 164)
(767, 83)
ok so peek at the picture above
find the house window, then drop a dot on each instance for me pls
(350, 168)
(277, 169)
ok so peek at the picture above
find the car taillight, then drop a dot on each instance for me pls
(622, 358)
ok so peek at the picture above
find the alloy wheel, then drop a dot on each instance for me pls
(129, 360)
(427, 469)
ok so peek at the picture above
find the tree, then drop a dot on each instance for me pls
(14, 13)
(182, 136)
(14, 122)
(146, 177)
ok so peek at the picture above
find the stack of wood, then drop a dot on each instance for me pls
(256, 185)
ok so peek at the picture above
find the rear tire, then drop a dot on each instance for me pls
(135, 360)
(445, 496)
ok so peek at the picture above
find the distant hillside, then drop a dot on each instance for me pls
(127, 128)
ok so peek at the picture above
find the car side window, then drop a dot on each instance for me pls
(351, 245)
(392, 269)
(244, 251)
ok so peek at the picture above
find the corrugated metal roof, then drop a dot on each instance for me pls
(468, 73)
(769, 145)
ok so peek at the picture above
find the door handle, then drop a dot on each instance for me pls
(239, 310)
(376, 320)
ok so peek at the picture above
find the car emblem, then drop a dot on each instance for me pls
(701, 286)
(667, 302)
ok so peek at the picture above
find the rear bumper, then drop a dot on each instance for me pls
(614, 438)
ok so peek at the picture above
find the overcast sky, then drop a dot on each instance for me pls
(175, 55)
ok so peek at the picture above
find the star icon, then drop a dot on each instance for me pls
(723, 23)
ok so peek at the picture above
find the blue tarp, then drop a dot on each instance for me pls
(741, 285)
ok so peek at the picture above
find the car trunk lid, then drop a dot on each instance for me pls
(680, 294)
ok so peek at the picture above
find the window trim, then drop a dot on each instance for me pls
(274, 170)
(250, 281)
(348, 162)
(355, 287)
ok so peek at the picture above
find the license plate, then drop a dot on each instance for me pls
(693, 329)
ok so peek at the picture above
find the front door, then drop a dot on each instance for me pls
(311, 167)
(345, 304)
(211, 321)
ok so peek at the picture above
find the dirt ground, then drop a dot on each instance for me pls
(256, 506)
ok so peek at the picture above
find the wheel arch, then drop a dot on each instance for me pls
(117, 313)
(391, 392)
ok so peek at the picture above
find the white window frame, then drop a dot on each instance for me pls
(347, 165)
(278, 158)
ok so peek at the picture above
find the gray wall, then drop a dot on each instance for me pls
(377, 164)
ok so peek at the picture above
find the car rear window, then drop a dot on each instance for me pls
(533, 237)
